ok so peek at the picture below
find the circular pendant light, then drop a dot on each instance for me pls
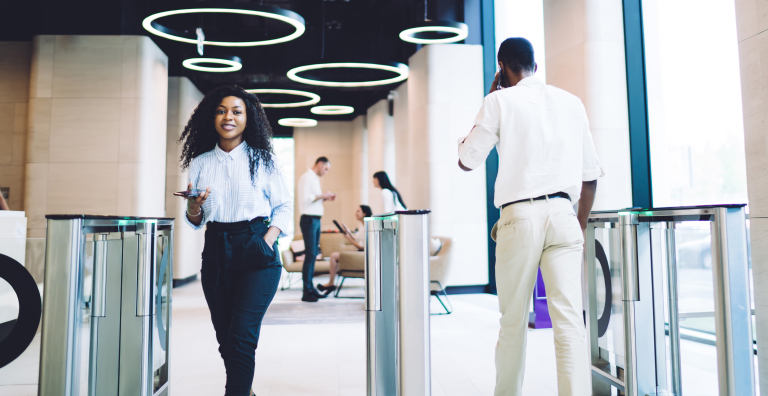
(435, 32)
(313, 97)
(151, 25)
(297, 122)
(332, 110)
(400, 69)
(230, 64)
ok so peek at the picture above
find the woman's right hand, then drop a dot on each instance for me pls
(194, 204)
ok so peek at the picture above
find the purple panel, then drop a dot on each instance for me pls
(540, 318)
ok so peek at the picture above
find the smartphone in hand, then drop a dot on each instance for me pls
(194, 193)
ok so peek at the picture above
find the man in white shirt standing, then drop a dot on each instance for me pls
(309, 200)
(546, 161)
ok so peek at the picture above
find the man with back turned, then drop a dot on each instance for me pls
(546, 161)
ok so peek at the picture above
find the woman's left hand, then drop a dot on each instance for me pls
(271, 236)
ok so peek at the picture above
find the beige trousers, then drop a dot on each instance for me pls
(531, 235)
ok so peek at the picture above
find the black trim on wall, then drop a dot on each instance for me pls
(637, 105)
(474, 289)
(184, 281)
(492, 163)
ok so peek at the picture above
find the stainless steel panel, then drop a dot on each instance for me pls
(146, 268)
(134, 330)
(104, 364)
(675, 379)
(628, 232)
(733, 324)
(99, 292)
(413, 281)
(62, 304)
(373, 229)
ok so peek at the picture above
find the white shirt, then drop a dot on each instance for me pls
(542, 135)
(234, 196)
(308, 191)
(391, 203)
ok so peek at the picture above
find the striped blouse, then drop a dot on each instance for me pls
(234, 197)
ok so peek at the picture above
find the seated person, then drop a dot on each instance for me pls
(357, 239)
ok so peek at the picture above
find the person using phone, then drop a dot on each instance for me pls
(546, 160)
(310, 198)
(246, 206)
(357, 239)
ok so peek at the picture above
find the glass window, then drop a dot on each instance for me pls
(522, 18)
(694, 103)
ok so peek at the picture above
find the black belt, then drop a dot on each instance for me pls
(236, 226)
(555, 195)
(311, 216)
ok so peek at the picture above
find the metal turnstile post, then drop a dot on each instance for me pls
(127, 351)
(397, 304)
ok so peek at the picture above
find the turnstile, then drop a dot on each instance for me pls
(107, 306)
(397, 304)
(634, 344)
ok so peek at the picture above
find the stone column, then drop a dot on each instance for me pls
(381, 153)
(585, 56)
(445, 92)
(96, 139)
(752, 30)
(15, 58)
(183, 98)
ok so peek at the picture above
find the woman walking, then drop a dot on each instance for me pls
(246, 207)
(391, 197)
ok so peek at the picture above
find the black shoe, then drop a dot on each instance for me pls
(327, 290)
(309, 297)
(320, 295)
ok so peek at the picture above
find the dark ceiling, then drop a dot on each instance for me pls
(336, 30)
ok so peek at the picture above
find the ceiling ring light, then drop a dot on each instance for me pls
(332, 110)
(459, 29)
(313, 97)
(230, 64)
(297, 122)
(151, 25)
(399, 68)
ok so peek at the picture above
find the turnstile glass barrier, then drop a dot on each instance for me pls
(106, 307)
(397, 304)
(680, 318)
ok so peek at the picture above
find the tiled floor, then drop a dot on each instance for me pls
(319, 349)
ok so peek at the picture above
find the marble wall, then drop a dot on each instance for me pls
(752, 30)
(183, 98)
(15, 58)
(97, 122)
(585, 56)
(335, 140)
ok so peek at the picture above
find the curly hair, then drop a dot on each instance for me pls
(200, 134)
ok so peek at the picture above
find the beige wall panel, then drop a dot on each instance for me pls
(753, 54)
(87, 67)
(36, 194)
(41, 73)
(39, 130)
(84, 130)
(360, 174)
(568, 27)
(71, 188)
(97, 122)
(380, 150)
(15, 58)
(332, 139)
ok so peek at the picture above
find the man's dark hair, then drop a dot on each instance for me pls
(324, 160)
(516, 53)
